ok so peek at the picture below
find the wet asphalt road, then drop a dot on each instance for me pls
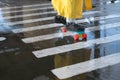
(28, 26)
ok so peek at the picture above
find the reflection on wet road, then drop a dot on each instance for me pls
(32, 47)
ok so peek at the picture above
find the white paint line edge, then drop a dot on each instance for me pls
(48, 25)
(29, 15)
(43, 13)
(55, 25)
(40, 5)
(34, 5)
(25, 10)
(56, 35)
(44, 37)
(29, 21)
(41, 19)
(36, 28)
(2, 38)
(75, 46)
(87, 66)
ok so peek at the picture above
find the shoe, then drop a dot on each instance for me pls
(75, 27)
(113, 1)
(93, 6)
(60, 19)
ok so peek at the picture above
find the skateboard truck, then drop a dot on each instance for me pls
(80, 35)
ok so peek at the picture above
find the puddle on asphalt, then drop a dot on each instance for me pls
(17, 61)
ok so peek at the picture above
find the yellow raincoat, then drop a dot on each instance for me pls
(71, 9)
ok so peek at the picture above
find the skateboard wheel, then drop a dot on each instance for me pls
(84, 36)
(76, 37)
(84, 39)
(63, 29)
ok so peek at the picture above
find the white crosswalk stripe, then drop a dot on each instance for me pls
(34, 5)
(100, 18)
(49, 25)
(75, 69)
(55, 25)
(25, 10)
(28, 15)
(42, 19)
(55, 35)
(75, 46)
(36, 28)
(2, 38)
(30, 21)
(88, 66)
(45, 13)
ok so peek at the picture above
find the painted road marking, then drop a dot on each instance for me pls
(36, 28)
(2, 38)
(53, 24)
(25, 10)
(41, 19)
(87, 66)
(56, 35)
(28, 15)
(43, 13)
(75, 46)
(34, 5)
(40, 5)
(48, 25)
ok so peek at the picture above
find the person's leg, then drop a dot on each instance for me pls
(74, 10)
(58, 8)
(68, 11)
(88, 4)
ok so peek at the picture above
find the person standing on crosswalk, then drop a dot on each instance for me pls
(69, 10)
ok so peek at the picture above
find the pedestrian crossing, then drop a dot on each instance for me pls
(50, 25)
(72, 70)
(29, 15)
(75, 46)
(2, 38)
(24, 10)
(55, 35)
(42, 19)
(75, 69)
(34, 5)
(55, 25)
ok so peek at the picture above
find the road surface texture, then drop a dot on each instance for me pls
(33, 48)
